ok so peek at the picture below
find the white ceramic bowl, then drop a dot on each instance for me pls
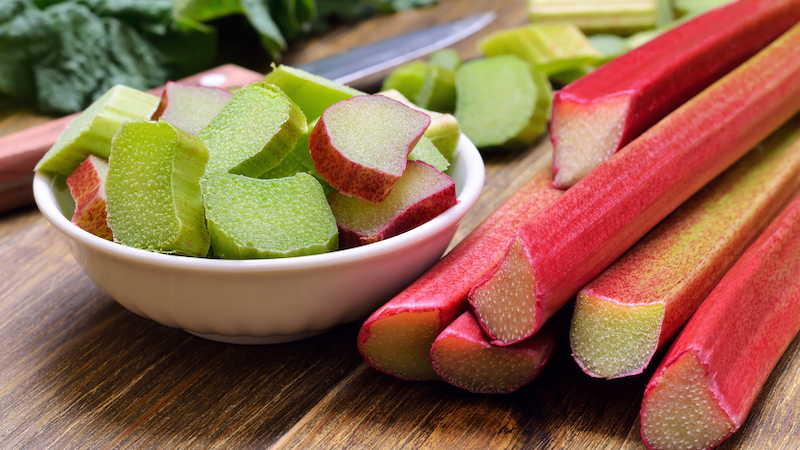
(265, 300)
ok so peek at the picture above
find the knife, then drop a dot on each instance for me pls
(20, 151)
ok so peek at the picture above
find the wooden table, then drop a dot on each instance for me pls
(77, 370)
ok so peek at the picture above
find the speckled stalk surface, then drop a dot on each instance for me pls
(153, 189)
(578, 236)
(91, 132)
(626, 96)
(440, 295)
(730, 345)
(274, 218)
(87, 185)
(625, 315)
(360, 146)
(421, 193)
(252, 134)
(463, 356)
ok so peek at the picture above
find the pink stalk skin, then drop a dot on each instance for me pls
(443, 289)
(741, 330)
(463, 357)
(661, 75)
(421, 211)
(350, 177)
(87, 186)
(597, 220)
(171, 109)
(680, 261)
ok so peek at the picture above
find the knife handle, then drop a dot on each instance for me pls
(20, 151)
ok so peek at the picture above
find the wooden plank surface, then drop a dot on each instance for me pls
(77, 370)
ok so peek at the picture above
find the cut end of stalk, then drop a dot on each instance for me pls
(585, 135)
(612, 340)
(679, 410)
(484, 369)
(505, 303)
(400, 344)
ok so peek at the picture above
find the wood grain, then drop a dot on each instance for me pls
(79, 371)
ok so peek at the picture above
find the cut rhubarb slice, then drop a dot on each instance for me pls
(191, 108)
(361, 145)
(254, 132)
(421, 194)
(87, 184)
(463, 357)
(601, 112)
(397, 338)
(709, 379)
(153, 189)
(561, 249)
(625, 315)
(618, 16)
(310, 92)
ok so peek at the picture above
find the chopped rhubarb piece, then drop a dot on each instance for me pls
(577, 237)
(397, 338)
(601, 112)
(709, 379)
(625, 315)
(191, 108)
(87, 184)
(421, 194)
(361, 145)
(463, 357)
(598, 15)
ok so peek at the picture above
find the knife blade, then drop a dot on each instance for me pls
(20, 151)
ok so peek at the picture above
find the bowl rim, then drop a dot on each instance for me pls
(473, 184)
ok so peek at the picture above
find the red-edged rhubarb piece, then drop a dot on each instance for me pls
(397, 338)
(191, 107)
(87, 184)
(577, 237)
(463, 357)
(601, 112)
(360, 145)
(625, 315)
(704, 388)
(421, 193)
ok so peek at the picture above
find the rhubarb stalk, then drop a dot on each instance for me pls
(574, 239)
(704, 388)
(397, 338)
(601, 112)
(625, 315)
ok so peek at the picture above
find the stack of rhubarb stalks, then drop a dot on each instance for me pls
(673, 232)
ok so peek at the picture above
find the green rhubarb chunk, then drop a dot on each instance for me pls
(255, 218)
(258, 127)
(312, 93)
(444, 130)
(685, 8)
(438, 90)
(495, 102)
(550, 48)
(594, 16)
(446, 58)
(544, 102)
(92, 131)
(301, 150)
(407, 79)
(153, 191)
(426, 152)
(287, 168)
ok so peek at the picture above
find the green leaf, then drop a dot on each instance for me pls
(24, 38)
(257, 13)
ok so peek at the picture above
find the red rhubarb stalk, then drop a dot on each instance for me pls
(600, 113)
(574, 239)
(397, 338)
(625, 315)
(463, 357)
(704, 388)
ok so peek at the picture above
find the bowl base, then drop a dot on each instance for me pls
(258, 340)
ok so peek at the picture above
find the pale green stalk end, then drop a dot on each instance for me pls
(312, 93)
(426, 152)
